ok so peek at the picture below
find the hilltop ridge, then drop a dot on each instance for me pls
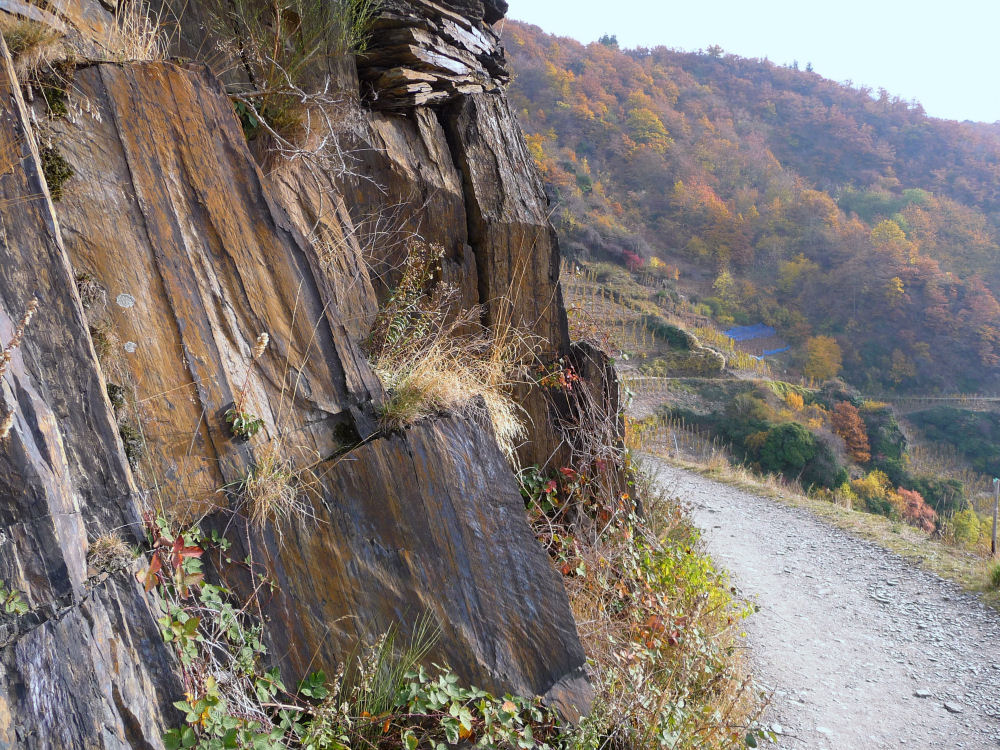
(776, 196)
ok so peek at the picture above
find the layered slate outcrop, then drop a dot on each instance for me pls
(426, 53)
(197, 251)
(85, 666)
(428, 521)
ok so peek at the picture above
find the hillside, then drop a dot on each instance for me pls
(763, 194)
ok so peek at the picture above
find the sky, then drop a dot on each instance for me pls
(943, 54)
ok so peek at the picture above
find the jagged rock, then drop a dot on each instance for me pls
(85, 666)
(494, 10)
(429, 520)
(199, 251)
(421, 52)
(461, 176)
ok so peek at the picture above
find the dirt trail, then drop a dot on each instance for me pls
(849, 635)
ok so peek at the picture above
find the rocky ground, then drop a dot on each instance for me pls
(859, 648)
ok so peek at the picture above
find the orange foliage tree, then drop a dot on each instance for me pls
(848, 424)
(914, 509)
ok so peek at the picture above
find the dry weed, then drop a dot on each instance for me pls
(109, 552)
(273, 490)
(33, 45)
(444, 372)
(430, 367)
(136, 34)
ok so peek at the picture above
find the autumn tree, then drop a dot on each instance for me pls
(847, 423)
(914, 509)
(823, 358)
(646, 128)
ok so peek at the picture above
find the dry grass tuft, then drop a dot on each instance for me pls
(33, 45)
(449, 373)
(273, 490)
(109, 552)
(434, 361)
(92, 292)
(137, 34)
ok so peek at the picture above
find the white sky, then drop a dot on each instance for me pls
(944, 54)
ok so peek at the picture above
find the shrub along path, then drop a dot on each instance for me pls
(860, 648)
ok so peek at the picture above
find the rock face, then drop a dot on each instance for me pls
(194, 251)
(423, 52)
(85, 666)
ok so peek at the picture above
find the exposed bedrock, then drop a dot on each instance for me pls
(196, 250)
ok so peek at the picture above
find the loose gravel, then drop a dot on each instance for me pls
(858, 648)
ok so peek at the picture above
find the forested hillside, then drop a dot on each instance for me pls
(769, 194)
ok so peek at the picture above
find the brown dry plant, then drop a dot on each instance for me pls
(137, 34)
(434, 360)
(33, 45)
(109, 552)
(273, 490)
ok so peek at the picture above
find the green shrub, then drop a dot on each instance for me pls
(823, 469)
(677, 337)
(888, 443)
(994, 576)
(873, 490)
(11, 601)
(966, 527)
(243, 424)
(133, 443)
(786, 449)
(56, 170)
(699, 363)
(749, 408)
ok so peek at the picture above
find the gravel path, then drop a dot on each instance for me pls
(860, 649)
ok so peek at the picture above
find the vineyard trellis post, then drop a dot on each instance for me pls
(996, 510)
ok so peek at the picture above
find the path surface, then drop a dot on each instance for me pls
(849, 634)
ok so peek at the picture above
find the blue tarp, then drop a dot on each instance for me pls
(769, 352)
(746, 333)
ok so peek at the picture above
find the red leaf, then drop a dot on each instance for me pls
(150, 577)
(178, 552)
